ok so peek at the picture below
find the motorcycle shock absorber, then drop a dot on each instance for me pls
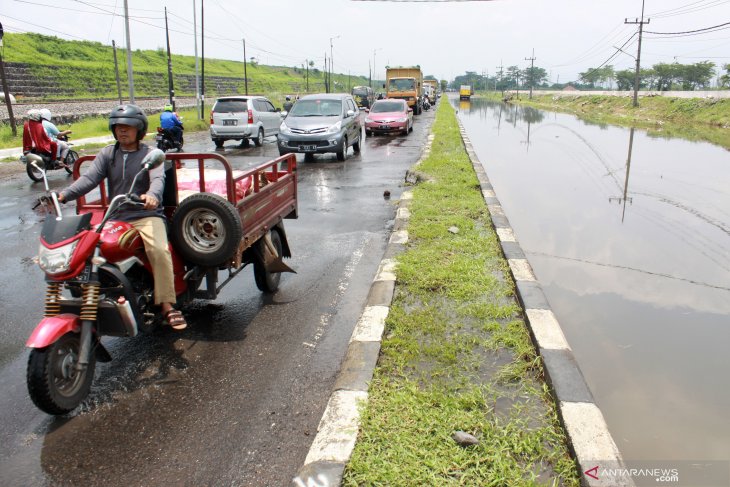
(89, 301)
(53, 299)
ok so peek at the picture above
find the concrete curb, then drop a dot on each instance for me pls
(589, 439)
(338, 428)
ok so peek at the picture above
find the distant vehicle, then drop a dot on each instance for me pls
(243, 118)
(435, 85)
(429, 95)
(364, 96)
(405, 83)
(465, 92)
(319, 124)
(387, 116)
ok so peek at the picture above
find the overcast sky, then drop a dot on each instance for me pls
(445, 38)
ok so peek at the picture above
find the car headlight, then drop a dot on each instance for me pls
(284, 128)
(56, 261)
(404, 119)
(335, 128)
(368, 120)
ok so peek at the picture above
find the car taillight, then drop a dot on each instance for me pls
(250, 116)
(211, 117)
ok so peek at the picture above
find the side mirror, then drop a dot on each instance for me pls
(154, 159)
(283, 113)
(277, 109)
(367, 110)
(410, 109)
(350, 113)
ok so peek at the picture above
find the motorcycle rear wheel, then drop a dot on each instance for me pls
(54, 384)
(34, 173)
(71, 160)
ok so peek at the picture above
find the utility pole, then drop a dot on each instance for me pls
(307, 61)
(501, 67)
(116, 72)
(130, 75)
(326, 75)
(625, 198)
(202, 59)
(532, 70)
(245, 72)
(5, 87)
(197, 72)
(638, 52)
(170, 85)
(332, 63)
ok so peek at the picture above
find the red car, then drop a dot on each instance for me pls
(389, 115)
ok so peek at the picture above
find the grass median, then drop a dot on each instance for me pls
(456, 354)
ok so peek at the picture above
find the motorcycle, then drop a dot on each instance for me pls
(108, 275)
(45, 162)
(166, 141)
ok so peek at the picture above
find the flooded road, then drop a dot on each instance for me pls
(630, 238)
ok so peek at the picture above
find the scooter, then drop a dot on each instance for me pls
(46, 163)
(166, 141)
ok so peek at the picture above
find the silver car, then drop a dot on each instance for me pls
(321, 123)
(243, 118)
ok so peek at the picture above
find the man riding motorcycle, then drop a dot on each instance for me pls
(119, 163)
(35, 138)
(170, 121)
(54, 133)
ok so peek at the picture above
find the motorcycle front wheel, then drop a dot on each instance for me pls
(54, 383)
(34, 173)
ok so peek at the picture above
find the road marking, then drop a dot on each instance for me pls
(386, 270)
(399, 237)
(521, 270)
(547, 330)
(371, 324)
(337, 430)
(506, 234)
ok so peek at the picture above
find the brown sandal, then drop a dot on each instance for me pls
(175, 320)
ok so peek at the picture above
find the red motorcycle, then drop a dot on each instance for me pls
(102, 264)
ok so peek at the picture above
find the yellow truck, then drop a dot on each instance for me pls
(405, 83)
(465, 92)
(435, 85)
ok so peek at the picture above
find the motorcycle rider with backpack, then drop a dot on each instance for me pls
(171, 122)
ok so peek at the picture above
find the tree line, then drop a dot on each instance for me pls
(660, 77)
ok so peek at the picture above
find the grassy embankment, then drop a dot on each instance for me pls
(688, 118)
(456, 353)
(84, 70)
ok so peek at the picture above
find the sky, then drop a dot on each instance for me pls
(446, 38)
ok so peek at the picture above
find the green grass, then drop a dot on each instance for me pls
(702, 119)
(456, 354)
(98, 126)
(84, 69)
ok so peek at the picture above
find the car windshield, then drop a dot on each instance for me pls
(360, 91)
(230, 106)
(387, 106)
(402, 84)
(316, 108)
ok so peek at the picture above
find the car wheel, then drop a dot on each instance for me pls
(259, 140)
(206, 229)
(356, 146)
(218, 143)
(342, 151)
(369, 133)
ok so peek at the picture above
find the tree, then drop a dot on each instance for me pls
(625, 79)
(697, 75)
(725, 78)
(512, 77)
(534, 76)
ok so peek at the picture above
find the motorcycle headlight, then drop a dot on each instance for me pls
(284, 128)
(56, 261)
(335, 128)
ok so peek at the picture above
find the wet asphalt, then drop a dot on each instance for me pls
(236, 398)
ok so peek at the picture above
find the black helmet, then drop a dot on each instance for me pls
(129, 115)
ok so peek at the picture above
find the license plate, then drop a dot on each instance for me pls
(307, 147)
(385, 127)
(159, 137)
(230, 122)
(85, 275)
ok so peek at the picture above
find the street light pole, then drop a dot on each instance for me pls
(332, 61)
(374, 51)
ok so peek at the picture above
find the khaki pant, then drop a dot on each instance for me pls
(154, 235)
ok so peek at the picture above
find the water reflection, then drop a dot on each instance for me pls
(643, 294)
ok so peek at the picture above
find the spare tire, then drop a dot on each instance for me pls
(206, 230)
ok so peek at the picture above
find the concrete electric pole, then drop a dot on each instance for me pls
(638, 52)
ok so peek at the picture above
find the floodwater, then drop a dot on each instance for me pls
(629, 236)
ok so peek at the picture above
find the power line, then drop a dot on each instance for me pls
(690, 31)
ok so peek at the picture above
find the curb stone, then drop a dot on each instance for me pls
(589, 440)
(338, 428)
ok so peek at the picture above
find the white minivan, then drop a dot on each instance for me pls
(243, 118)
